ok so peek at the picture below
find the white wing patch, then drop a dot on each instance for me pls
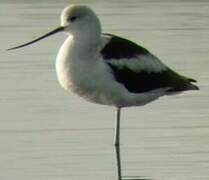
(148, 63)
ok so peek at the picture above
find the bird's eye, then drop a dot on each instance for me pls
(72, 18)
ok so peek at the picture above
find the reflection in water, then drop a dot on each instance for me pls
(118, 161)
(119, 171)
(45, 138)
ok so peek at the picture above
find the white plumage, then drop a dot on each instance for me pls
(91, 78)
(143, 62)
(107, 69)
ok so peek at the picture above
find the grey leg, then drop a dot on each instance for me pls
(117, 128)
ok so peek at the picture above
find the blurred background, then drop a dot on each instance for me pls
(48, 134)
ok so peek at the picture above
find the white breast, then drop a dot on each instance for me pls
(62, 64)
(88, 76)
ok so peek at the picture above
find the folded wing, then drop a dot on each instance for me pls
(139, 70)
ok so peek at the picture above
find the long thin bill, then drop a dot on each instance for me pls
(59, 29)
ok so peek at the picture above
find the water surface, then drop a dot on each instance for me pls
(46, 133)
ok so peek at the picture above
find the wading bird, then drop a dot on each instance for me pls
(108, 69)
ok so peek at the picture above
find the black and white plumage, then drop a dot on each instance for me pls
(107, 69)
(139, 70)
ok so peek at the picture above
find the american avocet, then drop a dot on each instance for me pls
(107, 69)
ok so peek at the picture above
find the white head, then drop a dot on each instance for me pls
(79, 18)
(79, 21)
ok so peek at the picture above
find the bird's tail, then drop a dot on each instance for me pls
(187, 85)
(192, 86)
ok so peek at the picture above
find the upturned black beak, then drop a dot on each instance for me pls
(59, 29)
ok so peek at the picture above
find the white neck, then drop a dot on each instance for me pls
(87, 39)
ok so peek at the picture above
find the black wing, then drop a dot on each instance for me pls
(134, 67)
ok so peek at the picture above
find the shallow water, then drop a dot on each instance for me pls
(46, 133)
